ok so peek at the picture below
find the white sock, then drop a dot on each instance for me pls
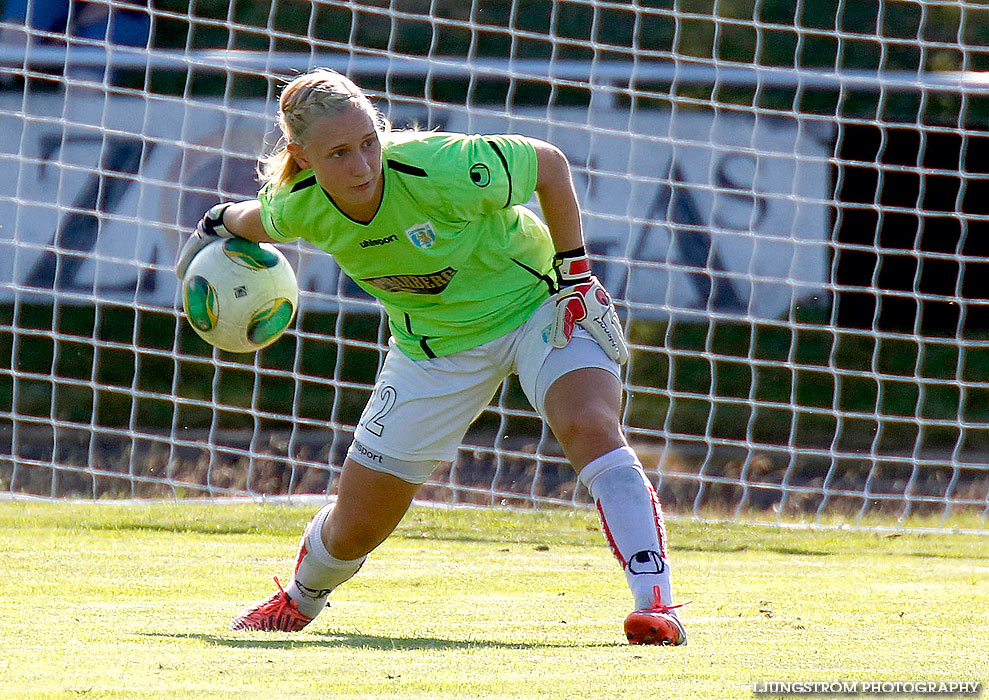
(317, 573)
(633, 523)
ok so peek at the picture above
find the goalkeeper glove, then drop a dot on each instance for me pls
(210, 228)
(581, 300)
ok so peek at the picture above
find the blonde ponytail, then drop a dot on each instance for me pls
(303, 100)
(278, 167)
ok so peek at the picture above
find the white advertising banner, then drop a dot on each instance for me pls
(687, 212)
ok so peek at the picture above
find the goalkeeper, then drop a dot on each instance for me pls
(476, 287)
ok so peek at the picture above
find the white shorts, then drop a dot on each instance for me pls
(420, 410)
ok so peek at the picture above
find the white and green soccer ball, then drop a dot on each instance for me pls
(239, 295)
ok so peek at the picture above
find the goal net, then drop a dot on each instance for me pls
(785, 199)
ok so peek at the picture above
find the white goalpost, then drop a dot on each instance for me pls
(787, 203)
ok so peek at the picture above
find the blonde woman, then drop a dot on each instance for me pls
(476, 287)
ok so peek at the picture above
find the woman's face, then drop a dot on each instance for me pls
(344, 153)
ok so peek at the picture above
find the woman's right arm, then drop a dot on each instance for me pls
(243, 219)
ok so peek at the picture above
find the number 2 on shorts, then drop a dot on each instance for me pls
(384, 400)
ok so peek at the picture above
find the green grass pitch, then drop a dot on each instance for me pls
(105, 600)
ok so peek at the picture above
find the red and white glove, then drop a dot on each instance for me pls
(210, 228)
(581, 300)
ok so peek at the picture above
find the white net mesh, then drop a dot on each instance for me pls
(786, 200)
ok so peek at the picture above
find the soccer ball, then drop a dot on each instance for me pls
(240, 295)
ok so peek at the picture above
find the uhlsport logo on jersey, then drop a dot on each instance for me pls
(368, 242)
(422, 235)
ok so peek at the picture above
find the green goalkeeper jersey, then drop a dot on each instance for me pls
(451, 253)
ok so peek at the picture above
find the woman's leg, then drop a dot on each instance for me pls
(582, 407)
(368, 508)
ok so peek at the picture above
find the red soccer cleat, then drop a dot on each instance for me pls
(655, 625)
(277, 613)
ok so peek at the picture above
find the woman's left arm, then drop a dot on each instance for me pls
(580, 299)
(557, 197)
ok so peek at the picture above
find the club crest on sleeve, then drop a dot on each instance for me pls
(480, 175)
(422, 235)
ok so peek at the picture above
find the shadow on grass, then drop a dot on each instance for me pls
(338, 640)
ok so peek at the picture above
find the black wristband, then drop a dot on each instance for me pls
(575, 253)
(571, 267)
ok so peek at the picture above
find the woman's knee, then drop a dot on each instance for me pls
(587, 434)
(590, 427)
